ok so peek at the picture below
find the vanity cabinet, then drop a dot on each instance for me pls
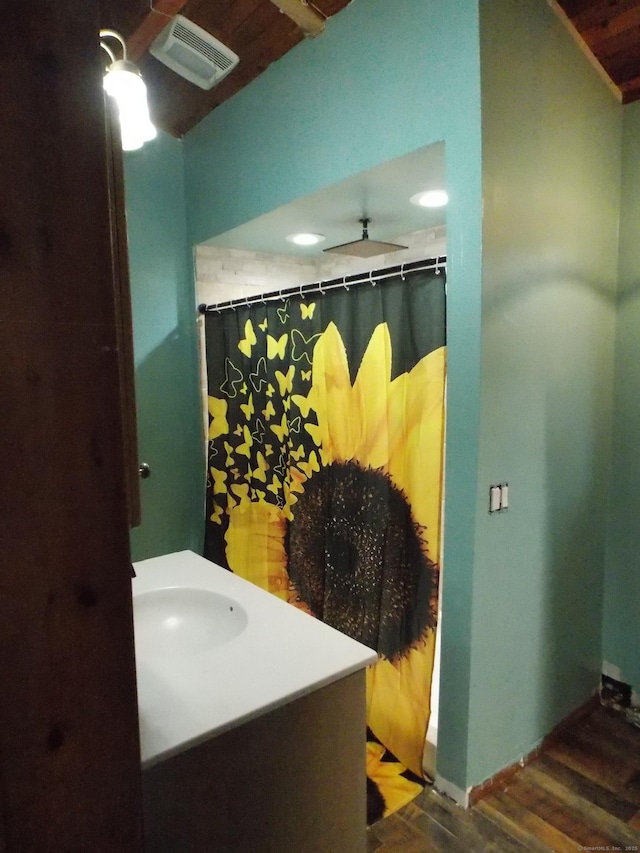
(253, 740)
(291, 781)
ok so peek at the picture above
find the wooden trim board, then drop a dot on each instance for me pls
(70, 774)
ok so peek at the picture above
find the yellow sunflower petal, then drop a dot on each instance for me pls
(388, 433)
(398, 703)
(333, 395)
(370, 397)
(389, 769)
(397, 792)
(395, 789)
(416, 450)
(255, 546)
(375, 751)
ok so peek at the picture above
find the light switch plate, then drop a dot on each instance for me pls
(494, 498)
(498, 497)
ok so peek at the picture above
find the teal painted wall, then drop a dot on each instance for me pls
(551, 184)
(376, 85)
(170, 435)
(621, 639)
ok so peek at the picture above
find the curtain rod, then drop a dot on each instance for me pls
(373, 277)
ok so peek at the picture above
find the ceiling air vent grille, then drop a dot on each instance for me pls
(193, 53)
(222, 60)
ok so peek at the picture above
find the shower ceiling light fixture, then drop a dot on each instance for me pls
(430, 198)
(124, 83)
(305, 239)
(365, 248)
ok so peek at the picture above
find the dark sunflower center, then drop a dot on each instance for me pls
(356, 558)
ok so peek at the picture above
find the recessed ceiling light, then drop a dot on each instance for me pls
(305, 239)
(431, 198)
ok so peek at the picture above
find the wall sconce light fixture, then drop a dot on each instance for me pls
(123, 82)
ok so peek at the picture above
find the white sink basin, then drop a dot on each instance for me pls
(214, 651)
(185, 620)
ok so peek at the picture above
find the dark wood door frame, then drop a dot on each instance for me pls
(69, 750)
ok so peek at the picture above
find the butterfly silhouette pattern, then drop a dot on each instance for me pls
(247, 343)
(301, 347)
(260, 406)
(307, 310)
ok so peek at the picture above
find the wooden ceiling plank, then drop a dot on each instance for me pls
(577, 7)
(617, 25)
(124, 16)
(595, 12)
(623, 67)
(241, 29)
(623, 44)
(197, 10)
(584, 47)
(265, 33)
(153, 24)
(224, 23)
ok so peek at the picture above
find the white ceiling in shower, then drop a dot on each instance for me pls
(381, 193)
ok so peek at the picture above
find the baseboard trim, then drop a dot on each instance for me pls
(502, 777)
(458, 795)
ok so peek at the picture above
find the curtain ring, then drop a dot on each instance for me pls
(371, 280)
(282, 299)
(402, 276)
(301, 293)
(320, 288)
(344, 283)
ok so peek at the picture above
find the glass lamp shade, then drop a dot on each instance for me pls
(124, 83)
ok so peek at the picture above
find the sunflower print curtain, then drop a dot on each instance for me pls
(326, 424)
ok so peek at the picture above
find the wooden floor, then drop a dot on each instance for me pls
(582, 793)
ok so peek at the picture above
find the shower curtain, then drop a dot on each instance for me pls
(326, 424)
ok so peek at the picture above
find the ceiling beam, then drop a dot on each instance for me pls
(160, 12)
(310, 21)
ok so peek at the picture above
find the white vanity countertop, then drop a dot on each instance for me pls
(281, 654)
